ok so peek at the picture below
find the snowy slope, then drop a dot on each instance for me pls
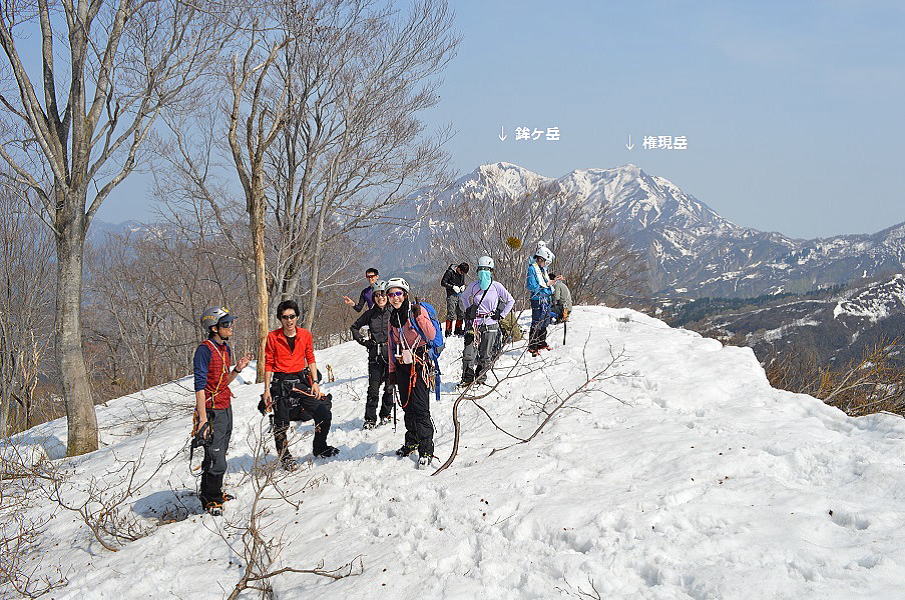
(689, 478)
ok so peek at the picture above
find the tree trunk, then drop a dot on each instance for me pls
(256, 216)
(80, 415)
(315, 259)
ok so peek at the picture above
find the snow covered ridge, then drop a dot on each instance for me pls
(875, 302)
(685, 476)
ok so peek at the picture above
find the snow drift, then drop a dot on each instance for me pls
(684, 476)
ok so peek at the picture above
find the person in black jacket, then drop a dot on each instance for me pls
(376, 319)
(453, 281)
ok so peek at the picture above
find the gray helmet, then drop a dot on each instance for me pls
(380, 286)
(485, 262)
(215, 315)
(398, 282)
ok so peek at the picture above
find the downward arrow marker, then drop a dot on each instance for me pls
(502, 135)
(630, 145)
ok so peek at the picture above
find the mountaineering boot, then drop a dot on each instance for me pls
(369, 425)
(467, 377)
(425, 459)
(385, 421)
(287, 462)
(405, 450)
(212, 506)
(460, 330)
(327, 452)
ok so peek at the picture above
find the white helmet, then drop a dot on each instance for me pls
(485, 262)
(380, 286)
(544, 252)
(398, 282)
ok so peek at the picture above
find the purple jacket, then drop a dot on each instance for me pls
(495, 293)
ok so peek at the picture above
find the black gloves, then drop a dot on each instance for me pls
(496, 316)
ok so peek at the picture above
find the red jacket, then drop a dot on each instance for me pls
(278, 358)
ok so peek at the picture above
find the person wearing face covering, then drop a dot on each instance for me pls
(481, 302)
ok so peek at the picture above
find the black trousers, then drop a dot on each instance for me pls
(213, 467)
(377, 376)
(419, 429)
(298, 407)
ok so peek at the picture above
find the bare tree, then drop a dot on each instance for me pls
(23, 475)
(590, 254)
(256, 113)
(165, 274)
(257, 537)
(873, 383)
(27, 305)
(74, 131)
(358, 74)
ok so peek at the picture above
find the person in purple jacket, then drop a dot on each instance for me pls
(481, 302)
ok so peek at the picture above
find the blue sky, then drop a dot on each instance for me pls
(792, 110)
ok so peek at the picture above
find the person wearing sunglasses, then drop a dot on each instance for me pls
(366, 297)
(481, 303)
(291, 387)
(376, 319)
(410, 368)
(213, 402)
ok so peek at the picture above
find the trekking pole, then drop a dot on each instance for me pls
(565, 325)
(395, 404)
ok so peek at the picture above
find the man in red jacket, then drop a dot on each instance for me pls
(291, 384)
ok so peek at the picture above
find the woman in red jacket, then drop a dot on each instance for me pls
(410, 368)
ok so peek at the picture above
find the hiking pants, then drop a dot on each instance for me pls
(298, 407)
(480, 354)
(419, 430)
(377, 376)
(540, 320)
(213, 467)
(453, 309)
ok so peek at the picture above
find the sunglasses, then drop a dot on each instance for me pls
(288, 317)
(380, 294)
(372, 276)
(395, 294)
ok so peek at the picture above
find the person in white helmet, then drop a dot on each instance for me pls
(376, 319)
(410, 368)
(540, 286)
(481, 302)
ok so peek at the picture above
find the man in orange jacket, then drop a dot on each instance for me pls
(291, 384)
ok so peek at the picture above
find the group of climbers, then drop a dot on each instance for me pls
(403, 338)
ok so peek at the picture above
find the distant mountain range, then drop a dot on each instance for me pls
(690, 249)
(838, 326)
